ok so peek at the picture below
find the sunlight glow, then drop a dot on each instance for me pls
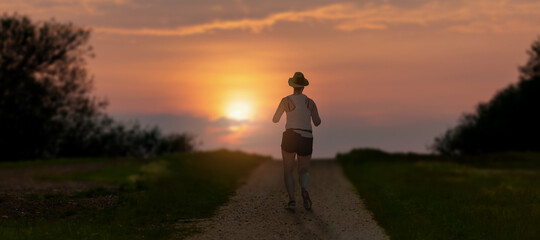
(239, 110)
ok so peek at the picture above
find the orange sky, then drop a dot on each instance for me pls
(387, 74)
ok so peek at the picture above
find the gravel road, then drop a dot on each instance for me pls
(257, 210)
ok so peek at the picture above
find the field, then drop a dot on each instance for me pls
(494, 196)
(124, 198)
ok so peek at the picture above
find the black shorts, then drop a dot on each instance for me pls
(293, 142)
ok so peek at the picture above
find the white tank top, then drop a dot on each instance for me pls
(300, 117)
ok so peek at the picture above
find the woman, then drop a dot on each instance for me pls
(297, 139)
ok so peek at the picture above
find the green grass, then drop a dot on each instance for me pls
(113, 174)
(494, 196)
(60, 161)
(154, 195)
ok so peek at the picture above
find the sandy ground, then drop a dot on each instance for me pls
(257, 210)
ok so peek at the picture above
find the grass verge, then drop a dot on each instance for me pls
(152, 197)
(494, 196)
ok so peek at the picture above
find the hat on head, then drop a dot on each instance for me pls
(298, 80)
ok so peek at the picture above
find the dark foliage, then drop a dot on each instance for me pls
(46, 106)
(508, 122)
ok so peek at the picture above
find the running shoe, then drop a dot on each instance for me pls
(291, 206)
(307, 200)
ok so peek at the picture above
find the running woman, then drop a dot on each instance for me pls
(298, 138)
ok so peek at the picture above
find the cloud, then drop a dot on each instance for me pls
(80, 7)
(336, 135)
(227, 122)
(222, 132)
(463, 16)
(254, 25)
(91, 5)
(169, 123)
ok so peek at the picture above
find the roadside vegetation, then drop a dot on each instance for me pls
(47, 106)
(490, 196)
(124, 198)
(508, 122)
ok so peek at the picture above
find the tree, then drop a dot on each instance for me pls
(46, 106)
(508, 122)
(44, 86)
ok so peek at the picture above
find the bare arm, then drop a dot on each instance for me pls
(279, 111)
(315, 114)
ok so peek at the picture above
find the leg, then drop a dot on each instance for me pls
(288, 168)
(303, 175)
(303, 171)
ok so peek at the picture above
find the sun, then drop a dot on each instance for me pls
(239, 110)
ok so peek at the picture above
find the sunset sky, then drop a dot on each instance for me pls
(388, 74)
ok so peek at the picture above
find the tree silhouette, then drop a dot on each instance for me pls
(508, 122)
(46, 106)
(44, 87)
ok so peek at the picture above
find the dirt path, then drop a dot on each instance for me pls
(256, 212)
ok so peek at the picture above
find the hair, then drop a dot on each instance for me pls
(298, 89)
